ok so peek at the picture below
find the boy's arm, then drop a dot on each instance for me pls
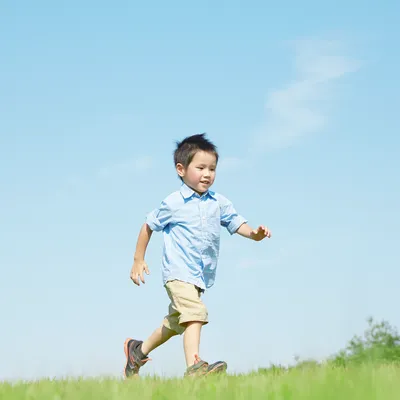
(139, 264)
(255, 234)
(142, 242)
(236, 223)
(156, 221)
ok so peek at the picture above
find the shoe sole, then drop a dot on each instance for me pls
(126, 351)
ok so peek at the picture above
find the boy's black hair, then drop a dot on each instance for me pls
(188, 147)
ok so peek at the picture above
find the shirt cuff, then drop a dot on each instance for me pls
(235, 224)
(153, 222)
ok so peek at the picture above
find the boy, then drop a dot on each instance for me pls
(190, 220)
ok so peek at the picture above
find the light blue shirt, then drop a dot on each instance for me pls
(191, 226)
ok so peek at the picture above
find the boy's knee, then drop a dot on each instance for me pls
(185, 325)
(198, 313)
(172, 325)
(166, 331)
(200, 317)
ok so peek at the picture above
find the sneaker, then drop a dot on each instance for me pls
(133, 360)
(202, 368)
(199, 368)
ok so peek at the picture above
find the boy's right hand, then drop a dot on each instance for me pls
(137, 271)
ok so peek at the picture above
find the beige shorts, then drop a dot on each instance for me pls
(186, 306)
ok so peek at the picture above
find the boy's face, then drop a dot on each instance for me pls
(200, 173)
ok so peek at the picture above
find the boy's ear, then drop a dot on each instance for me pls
(180, 169)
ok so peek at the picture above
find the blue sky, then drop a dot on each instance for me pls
(302, 100)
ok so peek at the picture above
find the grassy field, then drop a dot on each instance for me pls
(361, 382)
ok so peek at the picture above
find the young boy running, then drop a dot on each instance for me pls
(191, 220)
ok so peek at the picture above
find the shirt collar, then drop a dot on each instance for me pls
(187, 192)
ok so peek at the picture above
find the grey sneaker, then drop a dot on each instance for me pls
(134, 361)
(202, 368)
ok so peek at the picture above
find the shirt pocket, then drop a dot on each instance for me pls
(213, 228)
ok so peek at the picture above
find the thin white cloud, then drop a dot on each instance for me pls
(229, 163)
(134, 166)
(269, 262)
(300, 108)
(291, 251)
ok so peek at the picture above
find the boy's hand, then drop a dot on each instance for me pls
(137, 271)
(260, 233)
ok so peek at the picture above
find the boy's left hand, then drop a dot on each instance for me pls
(260, 233)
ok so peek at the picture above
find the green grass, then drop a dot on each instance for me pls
(364, 382)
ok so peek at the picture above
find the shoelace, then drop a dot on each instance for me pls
(140, 362)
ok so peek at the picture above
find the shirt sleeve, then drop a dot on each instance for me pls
(159, 218)
(230, 219)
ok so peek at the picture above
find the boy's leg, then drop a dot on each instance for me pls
(195, 365)
(137, 351)
(157, 338)
(188, 311)
(192, 316)
(187, 314)
(191, 342)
